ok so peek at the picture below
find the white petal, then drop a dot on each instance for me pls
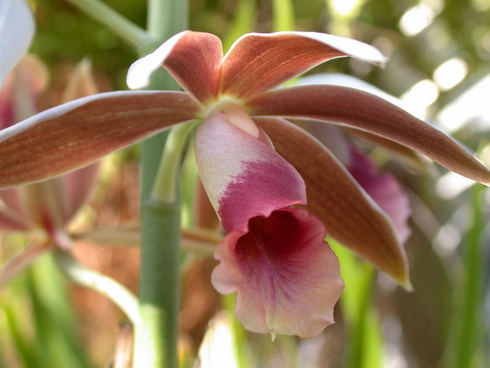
(16, 33)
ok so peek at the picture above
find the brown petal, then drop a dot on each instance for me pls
(365, 111)
(258, 62)
(348, 213)
(194, 62)
(79, 183)
(77, 133)
(12, 221)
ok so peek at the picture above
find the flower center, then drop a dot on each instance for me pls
(236, 115)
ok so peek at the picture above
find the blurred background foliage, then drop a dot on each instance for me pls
(439, 52)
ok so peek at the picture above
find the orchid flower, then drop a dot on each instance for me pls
(49, 205)
(277, 190)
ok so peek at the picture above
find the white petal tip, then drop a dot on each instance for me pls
(140, 71)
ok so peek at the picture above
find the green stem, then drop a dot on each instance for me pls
(357, 356)
(156, 336)
(283, 15)
(107, 16)
(165, 185)
(91, 279)
(469, 332)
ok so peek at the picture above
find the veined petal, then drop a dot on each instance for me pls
(242, 174)
(403, 152)
(347, 106)
(383, 189)
(348, 213)
(77, 133)
(193, 58)
(16, 32)
(195, 62)
(285, 275)
(78, 184)
(258, 62)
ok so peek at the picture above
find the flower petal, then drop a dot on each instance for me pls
(195, 62)
(81, 82)
(401, 152)
(16, 32)
(10, 197)
(20, 93)
(258, 62)
(193, 58)
(140, 71)
(77, 133)
(46, 204)
(12, 221)
(348, 213)
(79, 184)
(364, 111)
(21, 261)
(285, 275)
(383, 189)
(242, 174)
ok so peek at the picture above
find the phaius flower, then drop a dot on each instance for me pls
(48, 206)
(277, 190)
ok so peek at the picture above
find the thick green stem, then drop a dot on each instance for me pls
(157, 334)
(468, 331)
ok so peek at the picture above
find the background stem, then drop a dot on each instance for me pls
(126, 30)
(156, 336)
(468, 331)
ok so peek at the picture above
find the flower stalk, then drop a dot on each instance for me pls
(159, 288)
(91, 279)
(165, 186)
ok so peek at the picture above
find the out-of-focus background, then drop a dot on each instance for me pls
(439, 66)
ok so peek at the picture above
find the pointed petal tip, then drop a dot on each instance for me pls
(140, 71)
(407, 285)
(403, 279)
(354, 48)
